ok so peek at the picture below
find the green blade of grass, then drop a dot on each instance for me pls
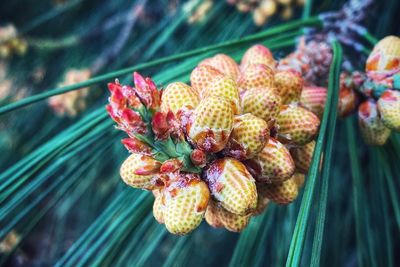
(356, 174)
(176, 251)
(297, 244)
(326, 168)
(101, 78)
(96, 227)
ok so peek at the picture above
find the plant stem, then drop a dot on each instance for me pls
(108, 76)
(299, 235)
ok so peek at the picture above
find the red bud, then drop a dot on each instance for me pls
(198, 157)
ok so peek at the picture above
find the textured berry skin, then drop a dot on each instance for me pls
(282, 193)
(158, 208)
(212, 124)
(212, 214)
(225, 87)
(224, 64)
(312, 59)
(313, 98)
(255, 76)
(289, 85)
(297, 125)
(385, 56)
(177, 95)
(186, 200)
(140, 171)
(203, 76)
(272, 164)
(302, 156)
(299, 179)
(258, 54)
(389, 109)
(263, 200)
(232, 185)
(233, 222)
(248, 137)
(217, 216)
(373, 131)
(261, 102)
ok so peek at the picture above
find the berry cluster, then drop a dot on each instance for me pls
(375, 92)
(221, 148)
(71, 103)
(198, 14)
(263, 10)
(379, 89)
(10, 42)
(312, 59)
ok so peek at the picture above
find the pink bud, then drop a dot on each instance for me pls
(160, 125)
(132, 122)
(117, 98)
(198, 157)
(171, 165)
(147, 91)
(136, 146)
(149, 166)
(113, 114)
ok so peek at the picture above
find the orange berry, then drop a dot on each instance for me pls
(225, 87)
(177, 95)
(313, 98)
(232, 185)
(385, 56)
(224, 64)
(348, 98)
(296, 125)
(263, 200)
(158, 208)
(389, 109)
(289, 85)
(302, 156)
(212, 124)
(217, 216)
(212, 216)
(262, 102)
(248, 137)
(299, 179)
(258, 54)
(273, 163)
(373, 131)
(186, 200)
(256, 76)
(140, 171)
(203, 76)
(282, 193)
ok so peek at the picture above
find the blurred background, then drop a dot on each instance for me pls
(61, 198)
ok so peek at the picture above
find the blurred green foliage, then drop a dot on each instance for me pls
(60, 189)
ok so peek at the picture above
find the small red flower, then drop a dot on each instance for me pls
(133, 145)
(131, 97)
(113, 112)
(171, 165)
(175, 126)
(165, 125)
(147, 91)
(160, 125)
(198, 157)
(131, 122)
(121, 99)
(117, 99)
(148, 167)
